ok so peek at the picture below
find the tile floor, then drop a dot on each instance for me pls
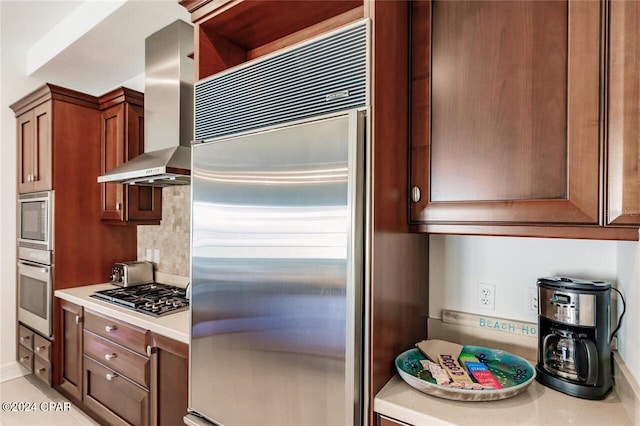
(24, 390)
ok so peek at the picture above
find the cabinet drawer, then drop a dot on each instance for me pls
(42, 370)
(42, 348)
(118, 358)
(119, 332)
(112, 397)
(25, 357)
(26, 337)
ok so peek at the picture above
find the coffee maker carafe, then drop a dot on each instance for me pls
(574, 351)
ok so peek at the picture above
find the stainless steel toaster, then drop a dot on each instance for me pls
(131, 273)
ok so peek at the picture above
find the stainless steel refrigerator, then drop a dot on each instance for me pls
(277, 275)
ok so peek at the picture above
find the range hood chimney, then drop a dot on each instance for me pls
(168, 112)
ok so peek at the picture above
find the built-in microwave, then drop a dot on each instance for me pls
(35, 296)
(35, 219)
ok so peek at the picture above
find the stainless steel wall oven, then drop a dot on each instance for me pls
(35, 261)
(35, 292)
(35, 218)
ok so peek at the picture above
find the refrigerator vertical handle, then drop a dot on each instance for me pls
(355, 265)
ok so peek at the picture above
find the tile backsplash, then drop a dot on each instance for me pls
(171, 237)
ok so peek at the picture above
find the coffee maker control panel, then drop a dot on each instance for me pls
(567, 307)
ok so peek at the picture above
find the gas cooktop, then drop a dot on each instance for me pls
(152, 299)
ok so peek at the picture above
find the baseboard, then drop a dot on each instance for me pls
(11, 371)
(627, 389)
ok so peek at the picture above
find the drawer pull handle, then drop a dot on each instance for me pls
(25, 358)
(79, 319)
(40, 348)
(40, 370)
(109, 357)
(110, 328)
(110, 376)
(25, 338)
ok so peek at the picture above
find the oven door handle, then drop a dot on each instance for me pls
(34, 264)
(43, 268)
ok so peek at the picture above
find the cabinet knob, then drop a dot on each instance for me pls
(40, 370)
(415, 194)
(25, 338)
(110, 376)
(109, 357)
(24, 358)
(110, 328)
(78, 319)
(118, 206)
(40, 348)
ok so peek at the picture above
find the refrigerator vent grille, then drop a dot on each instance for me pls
(320, 77)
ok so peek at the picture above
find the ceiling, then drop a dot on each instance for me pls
(92, 46)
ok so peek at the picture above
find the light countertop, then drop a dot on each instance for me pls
(175, 326)
(537, 405)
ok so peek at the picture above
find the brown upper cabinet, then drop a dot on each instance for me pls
(122, 139)
(507, 119)
(34, 149)
(623, 135)
(228, 33)
(49, 108)
(58, 137)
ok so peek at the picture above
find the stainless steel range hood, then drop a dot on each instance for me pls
(168, 112)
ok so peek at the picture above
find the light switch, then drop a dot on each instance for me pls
(148, 255)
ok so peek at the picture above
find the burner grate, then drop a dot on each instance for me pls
(152, 299)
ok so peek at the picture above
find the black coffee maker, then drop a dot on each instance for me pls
(574, 350)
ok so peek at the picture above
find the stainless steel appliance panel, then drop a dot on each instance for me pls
(35, 214)
(277, 275)
(35, 296)
(568, 307)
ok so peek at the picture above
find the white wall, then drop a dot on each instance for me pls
(458, 263)
(629, 284)
(14, 85)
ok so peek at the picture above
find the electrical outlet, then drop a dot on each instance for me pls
(156, 256)
(532, 300)
(487, 296)
(148, 255)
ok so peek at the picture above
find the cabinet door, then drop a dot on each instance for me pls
(34, 149)
(112, 397)
(169, 381)
(623, 145)
(123, 140)
(143, 202)
(25, 132)
(69, 371)
(386, 421)
(505, 112)
(113, 155)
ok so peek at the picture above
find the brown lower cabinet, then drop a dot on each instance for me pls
(114, 398)
(69, 361)
(169, 375)
(34, 353)
(128, 375)
(386, 421)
